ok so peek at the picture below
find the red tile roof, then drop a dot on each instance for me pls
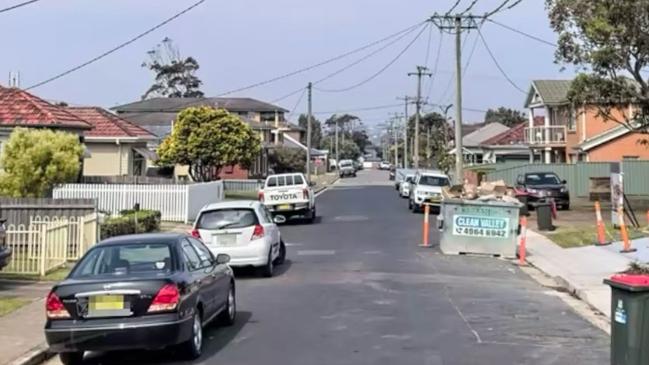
(107, 124)
(515, 135)
(20, 108)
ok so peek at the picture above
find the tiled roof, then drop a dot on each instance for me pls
(107, 124)
(20, 108)
(514, 135)
(551, 92)
(178, 104)
(480, 135)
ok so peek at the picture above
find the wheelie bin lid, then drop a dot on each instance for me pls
(629, 282)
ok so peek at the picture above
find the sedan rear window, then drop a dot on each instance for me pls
(227, 218)
(124, 259)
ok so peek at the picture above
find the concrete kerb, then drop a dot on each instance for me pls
(37, 355)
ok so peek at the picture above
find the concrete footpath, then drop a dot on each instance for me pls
(581, 270)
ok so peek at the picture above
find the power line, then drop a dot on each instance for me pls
(496, 10)
(469, 7)
(430, 38)
(466, 65)
(113, 50)
(287, 95)
(20, 5)
(379, 72)
(523, 33)
(493, 58)
(345, 68)
(387, 106)
(322, 63)
(298, 101)
(457, 2)
(439, 51)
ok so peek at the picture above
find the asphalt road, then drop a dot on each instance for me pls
(357, 289)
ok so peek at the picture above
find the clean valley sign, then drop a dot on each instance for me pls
(480, 226)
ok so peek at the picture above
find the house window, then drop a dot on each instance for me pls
(630, 157)
(572, 122)
(139, 164)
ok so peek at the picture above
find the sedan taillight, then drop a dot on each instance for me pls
(54, 307)
(166, 300)
(257, 233)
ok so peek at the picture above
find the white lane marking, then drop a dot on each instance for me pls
(316, 252)
(292, 244)
(397, 337)
(372, 252)
(351, 218)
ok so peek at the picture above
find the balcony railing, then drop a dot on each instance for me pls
(546, 136)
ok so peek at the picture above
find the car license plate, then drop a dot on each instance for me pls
(226, 239)
(284, 207)
(106, 302)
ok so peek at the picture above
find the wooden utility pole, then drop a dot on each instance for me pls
(308, 131)
(456, 24)
(421, 71)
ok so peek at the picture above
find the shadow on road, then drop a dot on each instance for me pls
(215, 339)
(247, 273)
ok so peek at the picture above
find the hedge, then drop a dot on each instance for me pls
(147, 221)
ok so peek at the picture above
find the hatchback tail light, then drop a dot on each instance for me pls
(54, 307)
(196, 234)
(261, 196)
(258, 232)
(166, 299)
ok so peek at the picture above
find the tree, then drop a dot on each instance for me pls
(609, 42)
(175, 77)
(348, 150)
(343, 121)
(361, 139)
(284, 160)
(34, 161)
(504, 116)
(316, 131)
(208, 139)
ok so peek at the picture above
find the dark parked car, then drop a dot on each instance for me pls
(544, 185)
(5, 250)
(146, 291)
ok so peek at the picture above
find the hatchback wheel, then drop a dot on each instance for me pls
(268, 269)
(282, 254)
(71, 358)
(229, 314)
(194, 347)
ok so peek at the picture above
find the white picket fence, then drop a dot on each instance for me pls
(48, 243)
(242, 185)
(176, 203)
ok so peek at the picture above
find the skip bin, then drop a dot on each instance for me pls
(629, 319)
(479, 227)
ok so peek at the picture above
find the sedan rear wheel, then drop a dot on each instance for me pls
(71, 358)
(194, 347)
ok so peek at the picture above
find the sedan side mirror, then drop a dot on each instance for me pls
(222, 259)
(564, 182)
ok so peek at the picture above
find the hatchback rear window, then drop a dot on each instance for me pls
(227, 218)
(124, 259)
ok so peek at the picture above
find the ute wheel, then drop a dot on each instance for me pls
(268, 269)
(229, 314)
(282, 254)
(194, 347)
(71, 358)
(312, 215)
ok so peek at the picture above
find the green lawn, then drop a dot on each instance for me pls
(10, 304)
(241, 195)
(585, 235)
(56, 275)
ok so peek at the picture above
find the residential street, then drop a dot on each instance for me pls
(357, 289)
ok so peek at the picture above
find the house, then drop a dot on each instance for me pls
(116, 147)
(18, 108)
(472, 142)
(572, 133)
(157, 116)
(506, 146)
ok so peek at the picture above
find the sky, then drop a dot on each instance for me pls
(238, 43)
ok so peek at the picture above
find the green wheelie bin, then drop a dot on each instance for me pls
(629, 319)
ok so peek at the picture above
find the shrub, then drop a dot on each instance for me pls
(147, 221)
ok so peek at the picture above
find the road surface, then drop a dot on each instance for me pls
(357, 289)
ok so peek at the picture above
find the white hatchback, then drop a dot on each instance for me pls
(244, 230)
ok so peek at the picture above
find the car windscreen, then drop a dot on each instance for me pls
(117, 260)
(433, 181)
(227, 218)
(542, 179)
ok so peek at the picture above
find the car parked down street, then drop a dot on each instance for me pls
(147, 291)
(245, 231)
(427, 187)
(544, 185)
(405, 186)
(289, 195)
(346, 168)
(5, 250)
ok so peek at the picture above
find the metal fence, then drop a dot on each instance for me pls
(636, 175)
(20, 210)
(242, 185)
(48, 243)
(176, 203)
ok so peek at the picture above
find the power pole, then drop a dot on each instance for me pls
(337, 160)
(456, 24)
(394, 124)
(308, 131)
(407, 99)
(421, 71)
